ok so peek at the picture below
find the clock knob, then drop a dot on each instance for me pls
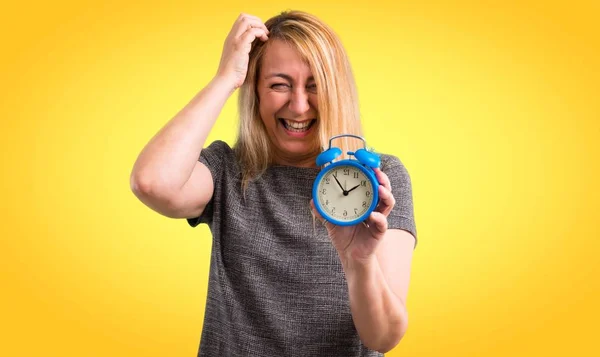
(328, 156)
(367, 158)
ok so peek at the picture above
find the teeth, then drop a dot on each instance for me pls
(296, 126)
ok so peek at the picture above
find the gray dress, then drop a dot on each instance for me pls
(276, 285)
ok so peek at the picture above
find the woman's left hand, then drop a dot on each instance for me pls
(360, 242)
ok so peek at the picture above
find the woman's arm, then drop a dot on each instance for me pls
(376, 261)
(378, 288)
(161, 175)
(167, 175)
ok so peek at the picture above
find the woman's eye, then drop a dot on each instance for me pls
(279, 86)
(312, 87)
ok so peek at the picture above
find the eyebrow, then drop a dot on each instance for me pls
(286, 77)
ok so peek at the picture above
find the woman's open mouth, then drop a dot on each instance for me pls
(297, 127)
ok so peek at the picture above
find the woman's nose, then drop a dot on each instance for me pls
(299, 102)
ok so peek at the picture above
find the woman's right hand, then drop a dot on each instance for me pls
(234, 60)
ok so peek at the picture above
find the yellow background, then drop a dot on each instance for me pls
(492, 106)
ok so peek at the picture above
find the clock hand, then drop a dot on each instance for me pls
(353, 188)
(339, 184)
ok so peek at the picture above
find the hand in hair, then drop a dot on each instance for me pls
(234, 59)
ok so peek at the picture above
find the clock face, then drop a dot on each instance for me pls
(345, 193)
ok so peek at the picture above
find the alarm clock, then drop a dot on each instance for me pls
(345, 192)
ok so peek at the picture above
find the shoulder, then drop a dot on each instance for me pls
(402, 215)
(218, 150)
(391, 164)
(218, 147)
(219, 157)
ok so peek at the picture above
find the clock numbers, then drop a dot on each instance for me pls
(345, 197)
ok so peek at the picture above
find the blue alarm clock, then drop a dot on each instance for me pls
(346, 191)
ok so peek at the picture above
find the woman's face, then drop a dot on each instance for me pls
(288, 105)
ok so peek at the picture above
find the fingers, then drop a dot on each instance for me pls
(377, 223)
(233, 65)
(251, 34)
(386, 201)
(386, 198)
(247, 22)
(383, 179)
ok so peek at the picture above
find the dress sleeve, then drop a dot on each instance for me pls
(214, 157)
(402, 215)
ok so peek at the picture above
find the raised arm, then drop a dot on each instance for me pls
(167, 175)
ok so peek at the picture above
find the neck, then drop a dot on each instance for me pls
(306, 160)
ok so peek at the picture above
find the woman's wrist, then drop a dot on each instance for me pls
(222, 82)
(362, 267)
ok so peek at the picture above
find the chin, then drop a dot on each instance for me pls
(298, 149)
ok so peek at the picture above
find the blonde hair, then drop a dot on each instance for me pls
(338, 108)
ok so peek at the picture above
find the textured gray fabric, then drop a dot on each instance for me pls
(276, 285)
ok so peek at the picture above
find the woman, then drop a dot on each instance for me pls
(279, 284)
